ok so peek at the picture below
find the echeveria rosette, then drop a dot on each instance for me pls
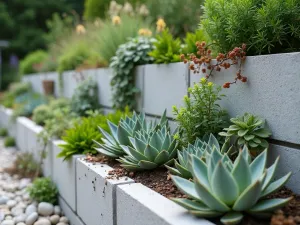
(227, 189)
(128, 127)
(149, 150)
(199, 149)
(249, 130)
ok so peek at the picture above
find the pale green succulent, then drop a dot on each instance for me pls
(227, 189)
(149, 150)
(200, 149)
(120, 134)
(249, 130)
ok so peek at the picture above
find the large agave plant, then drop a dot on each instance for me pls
(249, 130)
(149, 150)
(223, 188)
(200, 149)
(127, 128)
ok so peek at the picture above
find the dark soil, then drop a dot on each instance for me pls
(159, 181)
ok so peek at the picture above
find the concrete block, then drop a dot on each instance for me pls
(289, 162)
(272, 92)
(64, 175)
(71, 79)
(139, 83)
(72, 216)
(22, 134)
(96, 193)
(164, 86)
(103, 77)
(137, 204)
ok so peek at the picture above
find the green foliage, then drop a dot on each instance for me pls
(25, 165)
(133, 53)
(126, 129)
(32, 62)
(230, 189)
(201, 114)
(9, 142)
(200, 149)
(41, 114)
(59, 103)
(180, 16)
(85, 97)
(80, 139)
(248, 130)
(43, 190)
(191, 39)
(112, 36)
(269, 26)
(167, 49)
(3, 132)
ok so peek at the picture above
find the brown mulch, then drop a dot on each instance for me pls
(159, 181)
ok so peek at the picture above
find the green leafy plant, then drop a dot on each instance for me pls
(149, 150)
(85, 97)
(167, 49)
(199, 149)
(43, 190)
(59, 103)
(248, 130)
(3, 132)
(230, 189)
(190, 40)
(41, 114)
(9, 142)
(120, 134)
(80, 139)
(32, 62)
(201, 114)
(133, 53)
(269, 26)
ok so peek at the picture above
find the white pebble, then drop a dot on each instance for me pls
(45, 209)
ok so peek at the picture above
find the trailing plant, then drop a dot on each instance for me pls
(133, 53)
(82, 137)
(24, 166)
(201, 114)
(32, 62)
(200, 149)
(41, 114)
(3, 132)
(9, 142)
(202, 62)
(149, 150)
(230, 189)
(43, 190)
(167, 49)
(248, 130)
(85, 97)
(269, 26)
(127, 128)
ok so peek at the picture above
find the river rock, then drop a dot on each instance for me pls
(11, 203)
(3, 200)
(64, 219)
(21, 223)
(8, 222)
(32, 218)
(30, 209)
(20, 218)
(54, 219)
(45, 209)
(42, 221)
(57, 210)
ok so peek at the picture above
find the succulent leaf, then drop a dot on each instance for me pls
(242, 174)
(232, 218)
(186, 186)
(276, 185)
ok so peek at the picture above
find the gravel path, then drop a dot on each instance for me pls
(16, 207)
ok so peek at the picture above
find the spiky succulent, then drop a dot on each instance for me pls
(249, 130)
(199, 149)
(126, 128)
(229, 189)
(149, 150)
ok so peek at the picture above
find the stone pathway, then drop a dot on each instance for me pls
(16, 207)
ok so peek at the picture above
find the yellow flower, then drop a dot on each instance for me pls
(80, 29)
(203, 80)
(116, 20)
(145, 32)
(160, 25)
(209, 84)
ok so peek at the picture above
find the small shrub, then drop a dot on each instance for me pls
(3, 132)
(80, 138)
(43, 190)
(201, 115)
(41, 114)
(17, 89)
(167, 49)
(9, 142)
(59, 103)
(85, 97)
(32, 62)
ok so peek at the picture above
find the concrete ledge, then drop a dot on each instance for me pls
(289, 161)
(64, 175)
(22, 134)
(137, 204)
(96, 193)
(74, 219)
